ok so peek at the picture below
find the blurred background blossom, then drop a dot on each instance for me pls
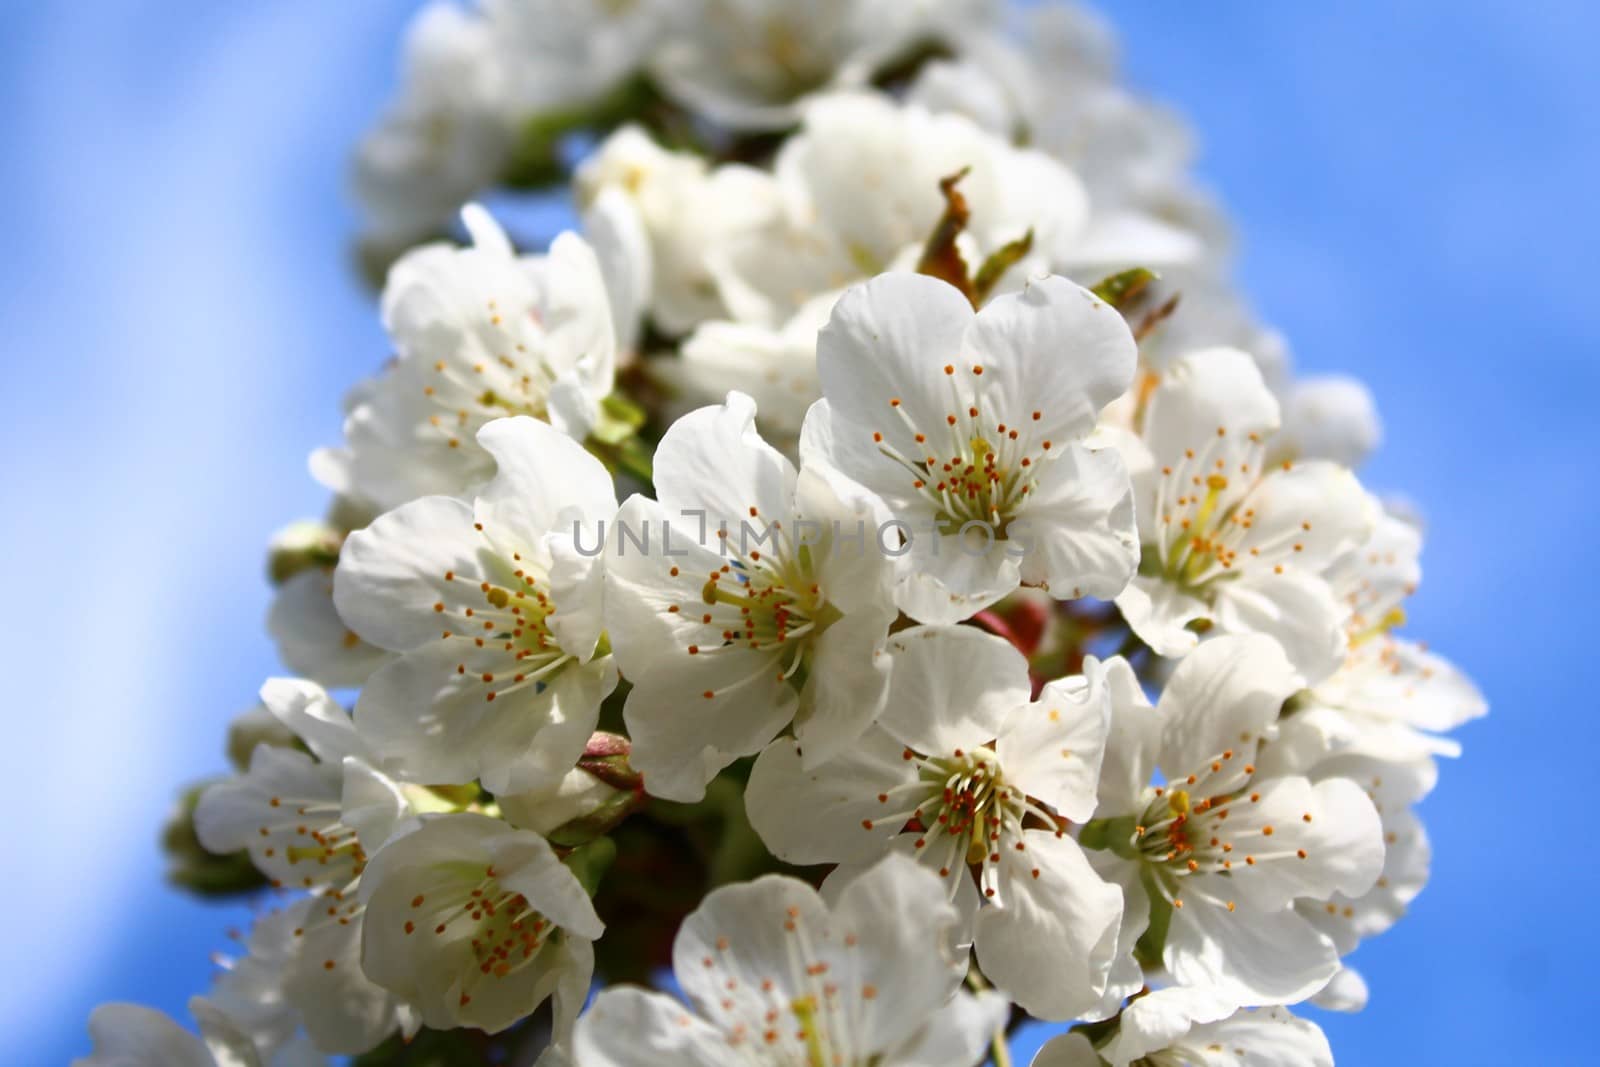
(1412, 189)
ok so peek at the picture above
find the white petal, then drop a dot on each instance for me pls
(846, 687)
(734, 954)
(1392, 679)
(1330, 417)
(1326, 838)
(682, 738)
(577, 318)
(888, 339)
(1155, 1021)
(712, 461)
(950, 577)
(1159, 613)
(343, 1010)
(1055, 348)
(1255, 957)
(951, 687)
(312, 640)
(1296, 609)
(899, 928)
(577, 589)
(622, 246)
(1201, 392)
(1067, 1050)
(371, 803)
(1053, 747)
(632, 1027)
(545, 483)
(128, 1035)
(856, 575)
(959, 1034)
(818, 815)
(1223, 695)
(232, 814)
(1306, 516)
(1133, 743)
(525, 863)
(1346, 991)
(227, 1042)
(1261, 1037)
(315, 717)
(1049, 938)
(1080, 525)
(392, 573)
(436, 724)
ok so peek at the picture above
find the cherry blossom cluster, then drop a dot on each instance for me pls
(874, 569)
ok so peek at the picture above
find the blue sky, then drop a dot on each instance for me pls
(1412, 185)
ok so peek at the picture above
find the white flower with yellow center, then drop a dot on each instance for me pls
(477, 924)
(1230, 543)
(480, 333)
(495, 615)
(1177, 1026)
(1391, 697)
(746, 596)
(776, 977)
(1213, 860)
(309, 821)
(977, 782)
(970, 426)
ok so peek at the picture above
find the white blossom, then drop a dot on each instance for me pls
(1222, 850)
(971, 427)
(774, 975)
(309, 820)
(495, 614)
(747, 609)
(971, 778)
(477, 924)
(1231, 544)
(480, 333)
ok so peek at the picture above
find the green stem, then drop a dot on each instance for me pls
(999, 1053)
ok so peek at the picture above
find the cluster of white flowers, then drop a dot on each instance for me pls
(956, 553)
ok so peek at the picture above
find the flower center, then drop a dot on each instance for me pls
(975, 468)
(515, 380)
(504, 932)
(765, 602)
(965, 813)
(505, 618)
(1197, 502)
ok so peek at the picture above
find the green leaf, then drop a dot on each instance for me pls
(1122, 289)
(1002, 260)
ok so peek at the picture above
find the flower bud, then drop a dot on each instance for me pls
(190, 866)
(300, 546)
(253, 727)
(597, 794)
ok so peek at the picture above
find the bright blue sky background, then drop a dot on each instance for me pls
(1414, 189)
